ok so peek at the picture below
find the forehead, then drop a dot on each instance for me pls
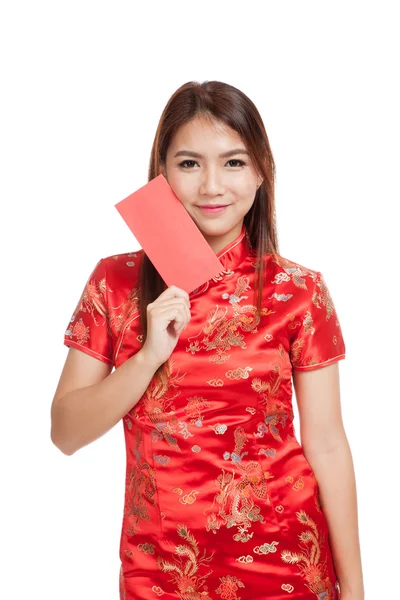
(206, 137)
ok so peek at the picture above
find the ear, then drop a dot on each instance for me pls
(162, 170)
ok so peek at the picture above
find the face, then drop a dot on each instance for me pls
(207, 164)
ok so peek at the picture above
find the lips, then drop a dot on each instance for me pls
(212, 205)
(208, 209)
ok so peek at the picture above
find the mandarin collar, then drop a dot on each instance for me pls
(230, 257)
(235, 252)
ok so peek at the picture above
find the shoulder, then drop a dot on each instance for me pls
(291, 278)
(122, 269)
(121, 281)
(121, 275)
(295, 271)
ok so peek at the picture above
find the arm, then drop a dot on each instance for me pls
(90, 400)
(327, 450)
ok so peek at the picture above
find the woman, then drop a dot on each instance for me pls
(221, 500)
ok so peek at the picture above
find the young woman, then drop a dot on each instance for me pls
(221, 500)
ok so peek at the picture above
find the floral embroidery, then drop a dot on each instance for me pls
(309, 562)
(185, 567)
(79, 331)
(228, 588)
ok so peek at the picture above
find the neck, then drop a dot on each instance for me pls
(219, 242)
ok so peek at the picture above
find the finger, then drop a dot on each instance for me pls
(174, 292)
(163, 307)
(170, 302)
(174, 314)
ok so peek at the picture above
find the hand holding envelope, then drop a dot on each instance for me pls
(169, 236)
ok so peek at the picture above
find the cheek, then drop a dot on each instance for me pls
(245, 189)
(184, 188)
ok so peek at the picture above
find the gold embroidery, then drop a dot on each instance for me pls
(189, 498)
(194, 408)
(286, 587)
(221, 333)
(92, 299)
(122, 590)
(146, 548)
(308, 323)
(295, 271)
(298, 484)
(215, 382)
(186, 566)
(238, 373)
(124, 311)
(157, 590)
(141, 483)
(276, 412)
(324, 298)
(266, 548)
(79, 331)
(159, 407)
(309, 562)
(219, 428)
(236, 505)
(245, 559)
(228, 587)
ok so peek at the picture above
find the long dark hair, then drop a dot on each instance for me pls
(221, 101)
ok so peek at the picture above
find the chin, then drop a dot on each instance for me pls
(215, 228)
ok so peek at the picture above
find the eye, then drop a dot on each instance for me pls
(233, 160)
(236, 160)
(186, 161)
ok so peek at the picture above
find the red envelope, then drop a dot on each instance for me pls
(169, 236)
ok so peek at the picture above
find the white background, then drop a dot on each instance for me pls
(83, 87)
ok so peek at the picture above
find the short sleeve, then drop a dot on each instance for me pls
(89, 328)
(318, 340)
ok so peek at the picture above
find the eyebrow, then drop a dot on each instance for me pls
(223, 155)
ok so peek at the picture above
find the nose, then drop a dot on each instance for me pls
(211, 182)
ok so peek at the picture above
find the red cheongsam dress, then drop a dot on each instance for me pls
(220, 501)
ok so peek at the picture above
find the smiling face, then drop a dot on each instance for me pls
(200, 175)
